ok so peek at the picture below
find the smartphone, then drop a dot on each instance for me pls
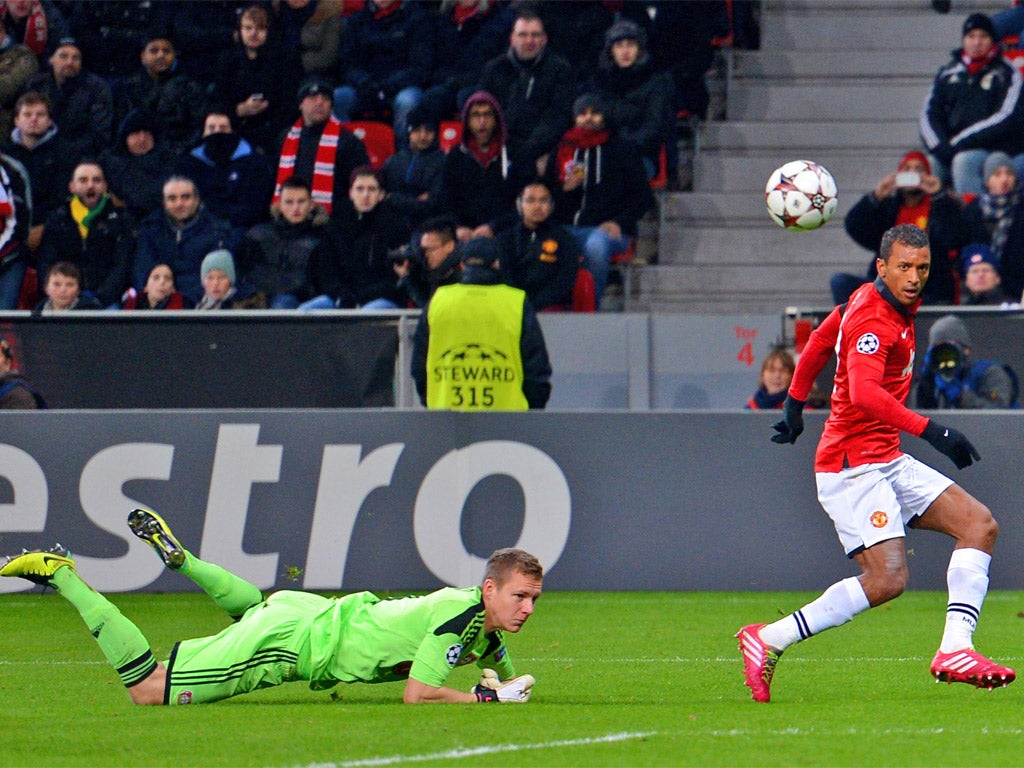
(257, 97)
(908, 179)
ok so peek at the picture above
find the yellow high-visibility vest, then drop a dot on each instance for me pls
(473, 358)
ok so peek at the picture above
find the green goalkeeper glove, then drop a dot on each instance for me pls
(491, 688)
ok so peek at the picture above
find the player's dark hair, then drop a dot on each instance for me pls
(504, 562)
(907, 234)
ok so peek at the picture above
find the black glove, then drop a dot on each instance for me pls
(952, 443)
(792, 423)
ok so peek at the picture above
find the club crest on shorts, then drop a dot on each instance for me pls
(867, 344)
(879, 519)
(452, 654)
(185, 697)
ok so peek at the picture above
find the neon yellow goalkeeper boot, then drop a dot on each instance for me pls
(150, 527)
(37, 566)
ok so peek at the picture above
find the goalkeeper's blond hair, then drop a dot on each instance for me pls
(504, 562)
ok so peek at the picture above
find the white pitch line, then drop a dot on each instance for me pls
(589, 661)
(714, 660)
(462, 752)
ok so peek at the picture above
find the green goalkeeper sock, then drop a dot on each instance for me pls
(122, 643)
(231, 593)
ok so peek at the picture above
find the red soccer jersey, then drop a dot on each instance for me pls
(874, 342)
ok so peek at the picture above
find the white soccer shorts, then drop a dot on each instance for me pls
(874, 502)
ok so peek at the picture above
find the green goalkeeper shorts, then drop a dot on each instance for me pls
(259, 651)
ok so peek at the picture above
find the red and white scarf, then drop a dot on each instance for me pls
(323, 165)
(36, 32)
(974, 66)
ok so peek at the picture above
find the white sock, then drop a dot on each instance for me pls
(837, 605)
(967, 579)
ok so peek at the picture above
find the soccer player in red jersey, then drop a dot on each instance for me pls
(870, 488)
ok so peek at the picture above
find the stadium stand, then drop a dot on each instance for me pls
(815, 90)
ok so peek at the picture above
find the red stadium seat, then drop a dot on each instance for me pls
(622, 262)
(583, 297)
(660, 180)
(29, 296)
(449, 135)
(379, 139)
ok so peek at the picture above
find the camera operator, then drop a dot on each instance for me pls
(951, 378)
(434, 263)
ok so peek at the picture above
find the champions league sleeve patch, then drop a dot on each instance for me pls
(452, 654)
(867, 344)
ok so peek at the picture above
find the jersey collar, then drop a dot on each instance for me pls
(908, 312)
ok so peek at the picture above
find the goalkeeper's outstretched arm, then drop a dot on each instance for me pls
(490, 689)
(421, 693)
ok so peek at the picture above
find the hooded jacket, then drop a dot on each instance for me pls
(475, 194)
(614, 187)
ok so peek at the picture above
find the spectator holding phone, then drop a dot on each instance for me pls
(255, 81)
(910, 195)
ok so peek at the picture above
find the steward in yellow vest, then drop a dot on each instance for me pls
(478, 345)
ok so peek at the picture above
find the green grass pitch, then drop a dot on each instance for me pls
(623, 679)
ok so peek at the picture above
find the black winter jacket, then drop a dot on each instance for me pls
(104, 257)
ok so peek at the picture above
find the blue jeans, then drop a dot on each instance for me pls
(346, 101)
(968, 169)
(11, 278)
(319, 302)
(380, 304)
(598, 249)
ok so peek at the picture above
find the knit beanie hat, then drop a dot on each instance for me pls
(995, 161)
(979, 21)
(592, 100)
(915, 155)
(949, 329)
(315, 86)
(219, 259)
(136, 120)
(977, 253)
(421, 116)
(624, 29)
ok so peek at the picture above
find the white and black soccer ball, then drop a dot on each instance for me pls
(801, 195)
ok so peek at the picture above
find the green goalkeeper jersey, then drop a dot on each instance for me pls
(362, 638)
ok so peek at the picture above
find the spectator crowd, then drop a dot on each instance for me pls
(203, 154)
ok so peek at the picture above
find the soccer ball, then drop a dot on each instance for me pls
(800, 195)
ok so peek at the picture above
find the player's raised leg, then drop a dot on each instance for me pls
(231, 593)
(119, 639)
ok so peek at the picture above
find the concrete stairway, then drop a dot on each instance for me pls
(838, 83)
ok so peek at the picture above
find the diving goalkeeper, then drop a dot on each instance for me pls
(293, 635)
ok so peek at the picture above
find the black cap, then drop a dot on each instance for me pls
(67, 40)
(979, 21)
(136, 120)
(315, 86)
(480, 252)
(421, 116)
